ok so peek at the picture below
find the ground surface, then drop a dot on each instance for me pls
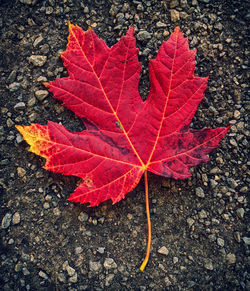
(48, 243)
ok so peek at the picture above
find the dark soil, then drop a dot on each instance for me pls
(48, 243)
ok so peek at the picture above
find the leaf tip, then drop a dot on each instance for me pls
(177, 29)
(20, 128)
(46, 84)
(70, 198)
(17, 126)
(227, 129)
(70, 25)
(36, 136)
(130, 31)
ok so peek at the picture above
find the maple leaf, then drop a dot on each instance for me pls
(124, 137)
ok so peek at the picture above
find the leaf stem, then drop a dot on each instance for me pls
(144, 263)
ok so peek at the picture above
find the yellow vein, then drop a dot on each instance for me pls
(165, 107)
(132, 146)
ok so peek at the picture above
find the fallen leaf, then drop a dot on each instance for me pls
(124, 137)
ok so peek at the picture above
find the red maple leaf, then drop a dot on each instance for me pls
(124, 137)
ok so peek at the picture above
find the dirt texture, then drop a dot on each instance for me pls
(200, 236)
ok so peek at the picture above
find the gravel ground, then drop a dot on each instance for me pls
(200, 233)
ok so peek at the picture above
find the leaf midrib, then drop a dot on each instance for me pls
(106, 97)
(165, 107)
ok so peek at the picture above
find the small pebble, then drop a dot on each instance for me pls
(240, 212)
(233, 142)
(61, 277)
(56, 211)
(167, 281)
(11, 241)
(246, 240)
(73, 279)
(41, 94)
(101, 250)
(174, 15)
(16, 218)
(37, 60)
(183, 3)
(244, 189)
(163, 251)
(199, 192)
(38, 41)
(18, 267)
(160, 24)
(70, 270)
(46, 205)
(19, 138)
(83, 217)
(43, 275)
(6, 220)
(78, 250)
(202, 214)
(108, 279)
(12, 77)
(173, 3)
(19, 106)
(21, 172)
(231, 258)
(190, 221)
(237, 236)
(28, 2)
(14, 86)
(208, 264)
(95, 266)
(213, 183)
(232, 183)
(143, 35)
(86, 10)
(109, 263)
(26, 272)
(42, 79)
(220, 242)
